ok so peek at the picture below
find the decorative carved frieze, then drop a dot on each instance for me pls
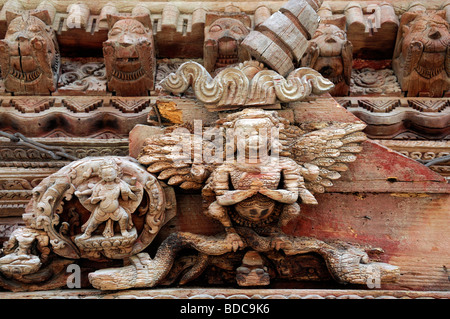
(82, 104)
(82, 78)
(371, 82)
(379, 106)
(401, 118)
(32, 105)
(429, 105)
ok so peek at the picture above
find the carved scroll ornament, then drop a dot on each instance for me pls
(247, 84)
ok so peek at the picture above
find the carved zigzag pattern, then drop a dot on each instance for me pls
(379, 106)
(82, 104)
(32, 105)
(428, 105)
(130, 105)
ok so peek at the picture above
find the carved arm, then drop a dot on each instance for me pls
(126, 192)
(289, 194)
(233, 197)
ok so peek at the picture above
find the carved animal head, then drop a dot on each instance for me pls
(330, 39)
(29, 54)
(223, 36)
(429, 28)
(129, 55)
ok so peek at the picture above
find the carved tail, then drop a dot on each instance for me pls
(147, 272)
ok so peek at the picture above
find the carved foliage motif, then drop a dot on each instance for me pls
(368, 81)
(421, 58)
(129, 55)
(29, 54)
(77, 77)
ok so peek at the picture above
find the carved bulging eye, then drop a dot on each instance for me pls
(34, 29)
(138, 30)
(115, 32)
(318, 34)
(341, 35)
(237, 30)
(215, 28)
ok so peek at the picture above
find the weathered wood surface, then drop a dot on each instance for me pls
(217, 293)
(385, 199)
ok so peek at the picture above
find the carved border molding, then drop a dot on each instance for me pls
(401, 118)
(423, 150)
(232, 294)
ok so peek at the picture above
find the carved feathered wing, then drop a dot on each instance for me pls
(327, 152)
(172, 157)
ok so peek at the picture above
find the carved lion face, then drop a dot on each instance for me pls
(330, 40)
(129, 55)
(222, 40)
(431, 29)
(29, 49)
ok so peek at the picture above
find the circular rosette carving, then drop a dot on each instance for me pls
(100, 207)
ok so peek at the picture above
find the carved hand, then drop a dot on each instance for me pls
(233, 197)
(280, 195)
(235, 240)
(95, 200)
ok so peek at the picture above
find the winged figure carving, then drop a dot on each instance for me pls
(254, 170)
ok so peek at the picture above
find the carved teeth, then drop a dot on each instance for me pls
(128, 76)
(25, 76)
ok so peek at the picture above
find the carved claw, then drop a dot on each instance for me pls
(279, 241)
(235, 241)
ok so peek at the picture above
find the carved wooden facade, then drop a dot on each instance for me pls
(117, 121)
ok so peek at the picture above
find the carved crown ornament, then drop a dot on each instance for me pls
(253, 170)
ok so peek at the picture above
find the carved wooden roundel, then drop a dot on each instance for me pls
(100, 207)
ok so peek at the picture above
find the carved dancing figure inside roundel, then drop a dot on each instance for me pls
(117, 211)
(105, 194)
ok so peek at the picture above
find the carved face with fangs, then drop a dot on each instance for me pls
(222, 43)
(29, 54)
(129, 55)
